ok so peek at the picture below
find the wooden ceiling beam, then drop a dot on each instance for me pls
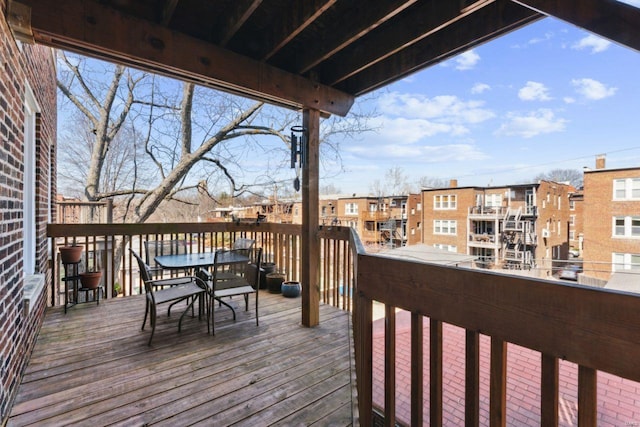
(414, 24)
(360, 18)
(498, 19)
(167, 11)
(610, 19)
(234, 18)
(90, 28)
(290, 24)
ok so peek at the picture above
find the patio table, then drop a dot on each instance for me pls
(199, 260)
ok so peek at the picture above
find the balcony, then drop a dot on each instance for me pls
(484, 240)
(495, 319)
(486, 213)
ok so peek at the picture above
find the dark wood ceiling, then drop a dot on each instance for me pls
(298, 53)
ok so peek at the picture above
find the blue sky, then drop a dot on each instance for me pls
(548, 96)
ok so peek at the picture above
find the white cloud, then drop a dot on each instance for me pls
(593, 89)
(532, 124)
(593, 42)
(534, 91)
(420, 153)
(467, 60)
(443, 108)
(480, 88)
(569, 100)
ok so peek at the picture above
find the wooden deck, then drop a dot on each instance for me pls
(92, 366)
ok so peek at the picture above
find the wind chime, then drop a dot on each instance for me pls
(298, 152)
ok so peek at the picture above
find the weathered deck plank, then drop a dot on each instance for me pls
(92, 367)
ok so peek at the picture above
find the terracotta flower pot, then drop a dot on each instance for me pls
(70, 254)
(91, 279)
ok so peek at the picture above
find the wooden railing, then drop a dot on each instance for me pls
(596, 329)
(106, 247)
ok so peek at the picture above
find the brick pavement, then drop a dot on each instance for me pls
(618, 399)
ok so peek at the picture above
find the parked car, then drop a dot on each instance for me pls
(570, 272)
(575, 253)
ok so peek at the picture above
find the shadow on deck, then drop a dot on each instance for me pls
(92, 366)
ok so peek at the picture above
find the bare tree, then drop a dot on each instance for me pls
(431, 182)
(572, 176)
(145, 140)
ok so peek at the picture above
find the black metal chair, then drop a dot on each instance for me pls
(154, 248)
(245, 282)
(172, 291)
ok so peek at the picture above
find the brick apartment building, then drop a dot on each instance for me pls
(517, 227)
(611, 220)
(576, 221)
(27, 185)
(379, 221)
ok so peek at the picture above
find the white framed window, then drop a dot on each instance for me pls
(572, 235)
(559, 227)
(559, 202)
(572, 205)
(493, 200)
(626, 189)
(626, 226)
(445, 201)
(31, 110)
(351, 209)
(622, 261)
(572, 220)
(445, 226)
(419, 206)
(373, 207)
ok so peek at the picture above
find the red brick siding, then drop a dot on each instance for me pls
(465, 197)
(599, 210)
(36, 65)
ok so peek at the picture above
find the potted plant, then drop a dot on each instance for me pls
(116, 289)
(90, 279)
(70, 254)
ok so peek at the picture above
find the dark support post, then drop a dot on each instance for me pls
(310, 221)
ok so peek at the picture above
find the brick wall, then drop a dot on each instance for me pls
(599, 210)
(20, 64)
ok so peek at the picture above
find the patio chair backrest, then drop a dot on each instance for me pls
(154, 248)
(145, 271)
(243, 243)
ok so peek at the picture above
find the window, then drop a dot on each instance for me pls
(572, 205)
(31, 110)
(622, 261)
(445, 226)
(324, 210)
(626, 226)
(419, 225)
(351, 209)
(445, 201)
(413, 231)
(493, 200)
(373, 207)
(450, 248)
(419, 206)
(559, 202)
(572, 235)
(572, 220)
(559, 227)
(626, 189)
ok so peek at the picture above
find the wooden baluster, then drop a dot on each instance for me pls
(498, 383)
(390, 366)
(549, 386)
(472, 380)
(417, 369)
(587, 397)
(435, 373)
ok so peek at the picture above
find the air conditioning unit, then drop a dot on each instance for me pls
(545, 232)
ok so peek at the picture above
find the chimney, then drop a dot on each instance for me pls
(453, 183)
(600, 161)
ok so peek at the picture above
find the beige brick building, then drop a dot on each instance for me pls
(516, 227)
(379, 221)
(611, 220)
